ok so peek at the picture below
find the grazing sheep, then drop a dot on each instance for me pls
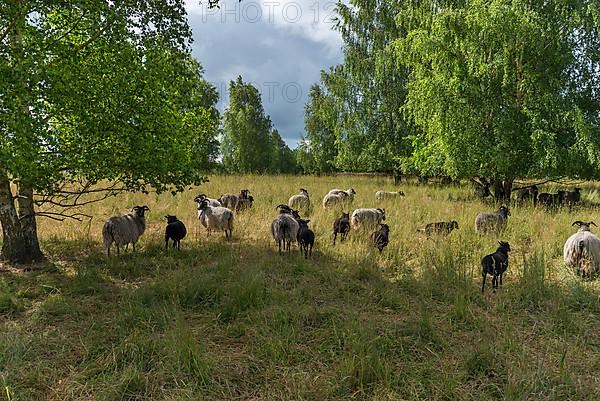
(545, 199)
(244, 203)
(381, 237)
(492, 221)
(232, 201)
(582, 250)
(306, 238)
(381, 195)
(284, 227)
(341, 226)
(339, 196)
(367, 218)
(300, 201)
(332, 200)
(215, 218)
(175, 231)
(442, 227)
(495, 264)
(529, 194)
(124, 230)
(211, 202)
(572, 197)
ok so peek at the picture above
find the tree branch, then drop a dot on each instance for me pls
(63, 216)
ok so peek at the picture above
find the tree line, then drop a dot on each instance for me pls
(485, 89)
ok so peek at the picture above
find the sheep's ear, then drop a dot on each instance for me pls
(577, 223)
(146, 208)
(591, 223)
(307, 221)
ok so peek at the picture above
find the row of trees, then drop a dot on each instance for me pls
(465, 88)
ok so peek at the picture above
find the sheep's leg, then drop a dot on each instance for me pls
(501, 279)
(118, 250)
(310, 251)
(279, 244)
(108, 251)
(133, 245)
(167, 244)
(334, 236)
(494, 282)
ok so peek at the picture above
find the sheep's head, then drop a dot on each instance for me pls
(504, 246)
(284, 208)
(400, 193)
(139, 210)
(296, 214)
(202, 204)
(504, 210)
(583, 226)
(352, 191)
(303, 223)
(384, 228)
(454, 224)
(382, 211)
(170, 218)
(200, 198)
(304, 192)
(345, 215)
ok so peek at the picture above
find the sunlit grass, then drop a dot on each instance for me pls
(223, 320)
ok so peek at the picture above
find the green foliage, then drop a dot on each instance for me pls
(498, 89)
(250, 144)
(100, 91)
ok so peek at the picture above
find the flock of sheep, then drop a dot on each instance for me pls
(581, 251)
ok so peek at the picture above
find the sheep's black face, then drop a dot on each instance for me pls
(202, 204)
(139, 210)
(454, 224)
(504, 246)
(384, 228)
(345, 216)
(171, 219)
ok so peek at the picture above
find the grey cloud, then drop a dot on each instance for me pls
(280, 60)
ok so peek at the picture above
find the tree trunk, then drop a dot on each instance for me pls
(28, 222)
(11, 229)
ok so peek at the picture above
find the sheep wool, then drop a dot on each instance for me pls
(124, 230)
(582, 251)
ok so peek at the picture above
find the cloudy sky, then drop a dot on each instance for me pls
(279, 46)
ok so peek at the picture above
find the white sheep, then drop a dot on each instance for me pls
(124, 230)
(338, 197)
(492, 221)
(284, 229)
(300, 201)
(381, 195)
(215, 218)
(582, 250)
(367, 218)
(211, 201)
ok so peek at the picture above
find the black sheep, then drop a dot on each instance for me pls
(381, 237)
(175, 230)
(495, 264)
(306, 238)
(341, 226)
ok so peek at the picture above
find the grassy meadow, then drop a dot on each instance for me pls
(233, 320)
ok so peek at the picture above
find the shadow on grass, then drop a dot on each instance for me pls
(225, 320)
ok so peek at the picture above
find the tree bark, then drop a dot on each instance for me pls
(28, 222)
(13, 244)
